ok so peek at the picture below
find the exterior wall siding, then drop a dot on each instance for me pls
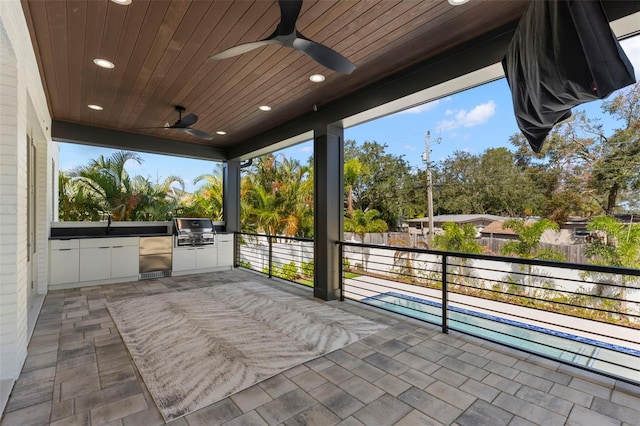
(23, 111)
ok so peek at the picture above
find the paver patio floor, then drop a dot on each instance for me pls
(78, 372)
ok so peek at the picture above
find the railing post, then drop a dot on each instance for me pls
(445, 296)
(236, 249)
(340, 270)
(270, 255)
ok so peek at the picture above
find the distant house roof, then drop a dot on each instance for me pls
(496, 228)
(458, 218)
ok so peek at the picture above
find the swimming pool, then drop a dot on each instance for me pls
(594, 354)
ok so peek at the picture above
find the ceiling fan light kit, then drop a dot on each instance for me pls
(287, 35)
(103, 63)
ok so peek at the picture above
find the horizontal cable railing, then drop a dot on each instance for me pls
(585, 315)
(288, 258)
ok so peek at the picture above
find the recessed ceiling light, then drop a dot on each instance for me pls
(317, 78)
(125, 2)
(457, 2)
(103, 63)
(220, 132)
(264, 108)
(95, 107)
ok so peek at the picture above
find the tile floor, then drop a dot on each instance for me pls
(79, 372)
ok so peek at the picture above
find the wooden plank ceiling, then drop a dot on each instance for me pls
(160, 49)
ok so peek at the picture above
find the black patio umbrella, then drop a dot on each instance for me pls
(563, 54)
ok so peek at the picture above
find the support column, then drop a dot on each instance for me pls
(231, 195)
(328, 163)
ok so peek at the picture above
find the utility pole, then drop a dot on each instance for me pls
(425, 158)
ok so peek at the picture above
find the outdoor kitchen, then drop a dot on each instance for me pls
(91, 253)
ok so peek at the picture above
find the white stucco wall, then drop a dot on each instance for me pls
(23, 111)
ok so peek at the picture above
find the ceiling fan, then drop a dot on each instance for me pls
(183, 124)
(287, 35)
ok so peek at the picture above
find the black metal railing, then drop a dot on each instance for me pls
(585, 315)
(288, 258)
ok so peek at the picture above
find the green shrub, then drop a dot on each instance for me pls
(288, 272)
(307, 269)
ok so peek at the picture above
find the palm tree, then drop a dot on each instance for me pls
(208, 198)
(277, 197)
(460, 239)
(107, 182)
(353, 169)
(620, 246)
(364, 222)
(73, 202)
(528, 244)
(160, 200)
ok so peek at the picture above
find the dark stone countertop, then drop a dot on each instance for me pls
(104, 232)
(81, 237)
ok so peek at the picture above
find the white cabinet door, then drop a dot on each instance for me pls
(64, 266)
(206, 257)
(95, 263)
(124, 261)
(225, 252)
(184, 259)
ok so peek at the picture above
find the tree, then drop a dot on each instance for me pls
(362, 223)
(73, 203)
(353, 170)
(619, 246)
(161, 201)
(490, 183)
(582, 159)
(107, 183)
(528, 244)
(457, 238)
(385, 184)
(207, 199)
(277, 197)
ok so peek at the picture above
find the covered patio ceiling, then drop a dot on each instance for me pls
(161, 52)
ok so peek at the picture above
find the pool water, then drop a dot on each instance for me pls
(606, 357)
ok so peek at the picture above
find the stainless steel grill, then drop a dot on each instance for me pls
(190, 231)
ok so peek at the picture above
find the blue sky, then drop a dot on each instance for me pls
(471, 121)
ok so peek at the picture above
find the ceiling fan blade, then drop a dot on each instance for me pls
(242, 48)
(198, 133)
(323, 55)
(188, 120)
(289, 12)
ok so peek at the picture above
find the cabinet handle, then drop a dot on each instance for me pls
(64, 249)
(117, 246)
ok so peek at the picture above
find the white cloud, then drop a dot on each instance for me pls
(307, 148)
(410, 147)
(631, 47)
(480, 114)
